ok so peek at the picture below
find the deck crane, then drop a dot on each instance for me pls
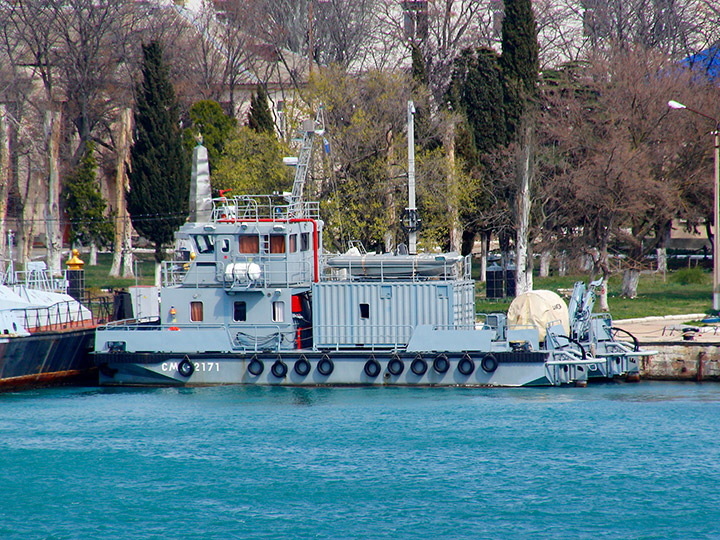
(310, 128)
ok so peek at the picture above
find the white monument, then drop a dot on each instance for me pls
(200, 197)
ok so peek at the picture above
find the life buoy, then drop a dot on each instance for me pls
(279, 369)
(489, 363)
(466, 365)
(372, 367)
(186, 367)
(302, 366)
(418, 366)
(441, 363)
(325, 365)
(255, 367)
(395, 365)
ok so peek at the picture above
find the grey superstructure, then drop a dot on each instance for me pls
(251, 298)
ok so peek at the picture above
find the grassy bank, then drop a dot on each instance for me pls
(96, 277)
(657, 295)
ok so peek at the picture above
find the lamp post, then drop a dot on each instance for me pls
(716, 204)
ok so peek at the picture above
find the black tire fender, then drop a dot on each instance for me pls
(372, 367)
(441, 364)
(279, 369)
(325, 365)
(489, 363)
(395, 366)
(302, 366)
(466, 365)
(256, 367)
(419, 366)
(186, 367)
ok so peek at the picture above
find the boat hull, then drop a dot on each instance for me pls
(335, 368)
(47, 358)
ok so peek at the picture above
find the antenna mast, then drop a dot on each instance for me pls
(410, 221)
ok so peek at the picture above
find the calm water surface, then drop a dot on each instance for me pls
(608, 461)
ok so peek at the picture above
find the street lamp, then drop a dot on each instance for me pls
(716, 205)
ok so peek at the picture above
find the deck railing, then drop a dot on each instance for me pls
(274, 271)
(59, 316)
(261, 207)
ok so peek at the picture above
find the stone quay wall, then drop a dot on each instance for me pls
(681, 361)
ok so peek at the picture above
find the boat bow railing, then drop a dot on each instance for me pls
(59, 316)
(35, 279)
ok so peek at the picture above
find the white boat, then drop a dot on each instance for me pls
(46, 335)
(395, 265)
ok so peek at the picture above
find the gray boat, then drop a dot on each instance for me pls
(252, 298)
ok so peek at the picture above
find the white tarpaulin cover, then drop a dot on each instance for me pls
(538, 308)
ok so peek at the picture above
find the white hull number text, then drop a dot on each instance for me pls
(199, 366)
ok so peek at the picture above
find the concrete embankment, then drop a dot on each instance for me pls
(684, 352)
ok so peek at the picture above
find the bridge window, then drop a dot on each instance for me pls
(305, 241)
(292, 243)
(249, 243)
(196, 311)
(277, 243)
(239, 312)
(205, 243)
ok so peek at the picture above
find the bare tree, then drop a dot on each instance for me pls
(31, 25)
(11, 90)
(441, 30)
(674, 28)
(218, 47)
(4, 179)
(94, 40)
(344, 32)
(610, 138)
(560, 32)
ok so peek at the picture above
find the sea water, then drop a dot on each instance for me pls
(608, 461)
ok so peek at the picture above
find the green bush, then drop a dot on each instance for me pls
(688, 276)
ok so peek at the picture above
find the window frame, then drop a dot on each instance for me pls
(197, 309)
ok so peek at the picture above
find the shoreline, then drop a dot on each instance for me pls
(684, 352)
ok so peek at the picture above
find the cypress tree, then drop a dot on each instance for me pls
(419, 71)
(84, 204)
(259, 117)
(519, 61)
(476, 90)
(520, 67)
(160, 176)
